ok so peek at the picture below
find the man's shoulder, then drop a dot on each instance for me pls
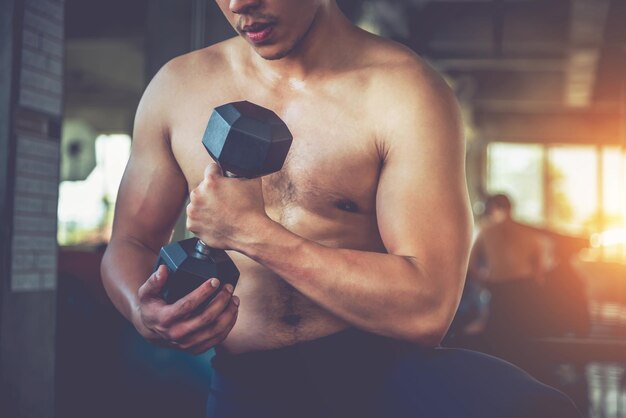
(406, 91)
(212, 60)
(396, 69)
(182, 76)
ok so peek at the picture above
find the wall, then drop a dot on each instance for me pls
(31, 81)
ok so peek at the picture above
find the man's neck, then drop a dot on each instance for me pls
(323, 48)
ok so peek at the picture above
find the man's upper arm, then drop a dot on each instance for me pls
(422, 202)
(153, 188)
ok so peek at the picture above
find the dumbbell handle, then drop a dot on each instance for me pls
(201, 247)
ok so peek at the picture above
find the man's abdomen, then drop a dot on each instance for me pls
(273, 314)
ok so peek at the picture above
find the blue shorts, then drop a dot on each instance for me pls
(356, 374)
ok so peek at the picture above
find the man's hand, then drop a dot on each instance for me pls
(223, 211)
(185, 325)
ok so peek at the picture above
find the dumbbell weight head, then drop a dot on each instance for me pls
(247, 140)
(190, 268)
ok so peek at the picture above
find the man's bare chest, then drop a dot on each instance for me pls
(333, 164)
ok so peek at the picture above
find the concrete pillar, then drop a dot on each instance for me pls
(31, 87)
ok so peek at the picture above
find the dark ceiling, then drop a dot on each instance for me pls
(524, 49)
(509, 57)
(105, 18)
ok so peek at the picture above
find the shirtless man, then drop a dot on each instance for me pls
(508, 259)
(505, 250)
(360, 241)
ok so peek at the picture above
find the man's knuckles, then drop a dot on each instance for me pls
(229, 320)
(147, 289)
(203, 292)
(208, 316)
(200, 194)
(212, 170)
(190, 210)
(190, 224)
(207, 186)
(166, 319)
(222, 329)
(180, 335)
(191, 302)
(217, 305)
(212, 312)
(215, 334)
(193, 211)
(222, 321)
(207, 343)
(185, 306)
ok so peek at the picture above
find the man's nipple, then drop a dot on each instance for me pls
(347, 205)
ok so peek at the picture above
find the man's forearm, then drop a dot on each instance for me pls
(381, 293)
(126, 265)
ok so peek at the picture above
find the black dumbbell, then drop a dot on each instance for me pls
(247, 141)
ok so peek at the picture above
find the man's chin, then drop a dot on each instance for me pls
(273, 52)
(271, 55)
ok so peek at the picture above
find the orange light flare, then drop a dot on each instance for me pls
(609, 245)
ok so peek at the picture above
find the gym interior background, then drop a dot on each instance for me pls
(542, 85)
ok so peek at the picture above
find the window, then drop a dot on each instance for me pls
(613, 191)
(576, 190)
(86, 207)
(517, 170)
(574, 196)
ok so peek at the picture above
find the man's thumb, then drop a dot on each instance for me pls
(153, 286)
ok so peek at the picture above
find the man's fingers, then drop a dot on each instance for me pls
(212, 336)
(213, 310)
(212, 169)
(186, 328)
(199, 331)
(153, 286)
(187, 305)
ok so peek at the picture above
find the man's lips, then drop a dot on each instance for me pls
(258, 32)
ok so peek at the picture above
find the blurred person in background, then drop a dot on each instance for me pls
(533, 291)
(510, 260)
